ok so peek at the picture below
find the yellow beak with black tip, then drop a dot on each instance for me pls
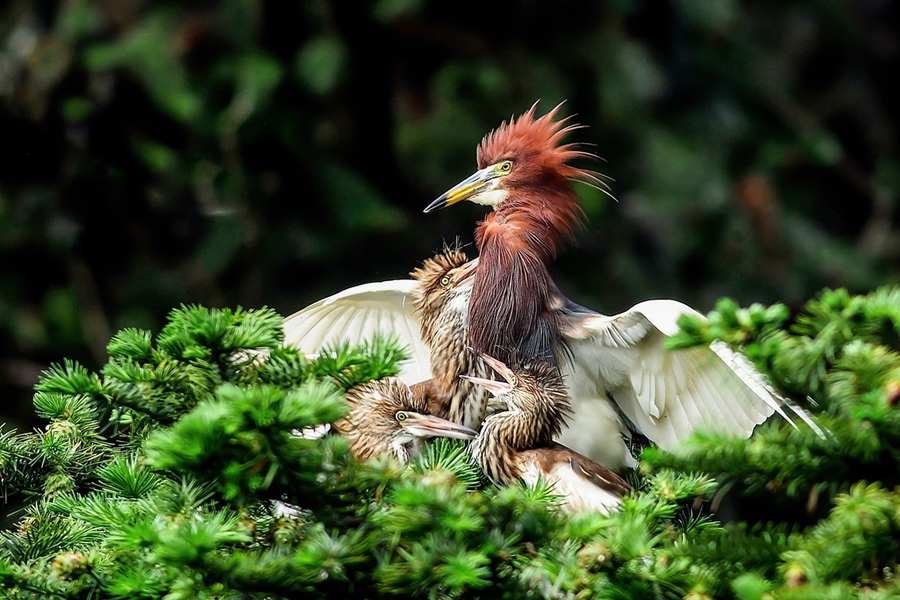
(480, 187)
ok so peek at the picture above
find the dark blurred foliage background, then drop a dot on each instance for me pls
(241, 152)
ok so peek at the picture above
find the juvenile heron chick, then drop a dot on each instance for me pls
(385, 417)
(441, 301)
(518, 444)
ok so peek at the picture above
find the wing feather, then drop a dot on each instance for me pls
(355, 315)
(418, 366)
(667, 394)
(335, 321)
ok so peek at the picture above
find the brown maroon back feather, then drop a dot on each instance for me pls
(549, 456)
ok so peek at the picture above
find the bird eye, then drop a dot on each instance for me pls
(505, 167)
(401, 416)
(445, 280)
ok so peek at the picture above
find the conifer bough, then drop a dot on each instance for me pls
(157, 476)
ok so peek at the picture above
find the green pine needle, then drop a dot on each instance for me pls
(70, 378)
(177, 501)
(126, 478)
(135, 344)
(453, 456)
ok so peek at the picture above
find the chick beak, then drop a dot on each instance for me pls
(501, 369)
(465, 189)
(497, 388)
(467, 271)
(421, 425)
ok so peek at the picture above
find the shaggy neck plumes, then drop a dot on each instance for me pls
(510, 313)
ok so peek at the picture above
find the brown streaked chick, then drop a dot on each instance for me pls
(385, 417)
(441, 302)
(518, 444)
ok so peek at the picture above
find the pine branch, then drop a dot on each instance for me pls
(178, 501)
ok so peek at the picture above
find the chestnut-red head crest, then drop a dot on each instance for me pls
(535, 147)
(524, 154)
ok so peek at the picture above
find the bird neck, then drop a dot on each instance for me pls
(402, 452)
(542, 218)
(505, 434)
(448, 395)
(496, 458)
(511, 315)
(443, 331)
(468, 402)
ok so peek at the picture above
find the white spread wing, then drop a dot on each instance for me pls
(355, 314)
(666, 394)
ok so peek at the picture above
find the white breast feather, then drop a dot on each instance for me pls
(578, 494)
(460, 304)
(493, 198)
